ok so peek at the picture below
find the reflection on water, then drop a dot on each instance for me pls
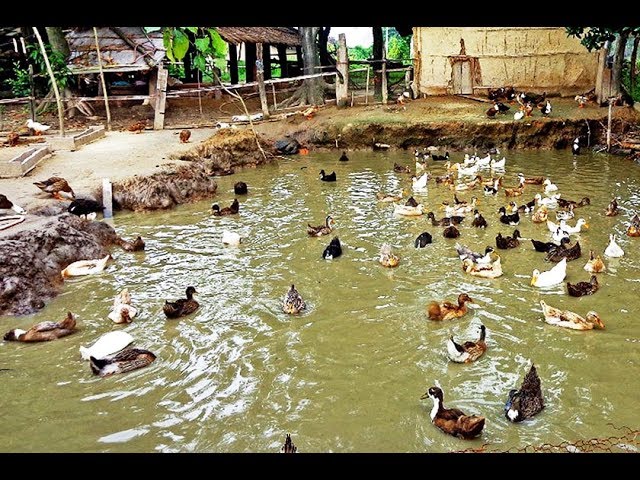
(346, 375)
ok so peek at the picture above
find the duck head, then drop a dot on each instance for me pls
(594, 318)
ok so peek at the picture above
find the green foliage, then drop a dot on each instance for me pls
(61, 71)
(360, 53)
(594, 38)
(626, 80)
(399, 48)
(205, 42)
(20, 82)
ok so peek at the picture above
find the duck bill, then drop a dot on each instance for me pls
(424, 396)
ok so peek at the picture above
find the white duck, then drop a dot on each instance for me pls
(472, 170)
(38, 128)
(519, 115)
(469, 160)
(420, 184)
(484, 162)
(558, 235)
(461, 209)
(408, 210)
(549, 187)
(613, 249)
(487, 270)
(498, 164)
(550, 277)
(581, 222)
(107, 344)
(123, 311)
(85, 267)
(231, 238)
(551, 201)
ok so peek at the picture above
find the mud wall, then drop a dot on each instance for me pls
(532, 58)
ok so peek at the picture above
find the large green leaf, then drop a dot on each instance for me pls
(199, 62)
(218, 44)
(193, 30)
(203, 44)
(180, 45)
(166, 38)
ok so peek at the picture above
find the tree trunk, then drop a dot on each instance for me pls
(616, 71)
(323, 41)
(378, 48)
(58, 41)
(632, 66)
(311, 92)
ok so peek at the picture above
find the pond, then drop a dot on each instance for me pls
(346, 375)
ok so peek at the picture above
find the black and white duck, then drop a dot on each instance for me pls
(452, 420)
(327, 178)
(333, 250)
(527, 401)
(124, 361)
(509, 219)
(423, 240)
(84, 207)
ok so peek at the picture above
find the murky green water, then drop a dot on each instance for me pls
(346, 376)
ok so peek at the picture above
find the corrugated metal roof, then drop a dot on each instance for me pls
(116, 55)
(272, 35)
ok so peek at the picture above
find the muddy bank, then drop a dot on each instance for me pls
(31, 260)
(535, 133)
(230, 148)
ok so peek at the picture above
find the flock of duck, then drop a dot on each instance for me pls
(527, 400)
(112, 352)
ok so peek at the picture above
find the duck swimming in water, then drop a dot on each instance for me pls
(122, 362)
(469, 351)
(333, 250)
(293, 301)
(182, 306)
(452, 420)
(43, 331)
(527, 401)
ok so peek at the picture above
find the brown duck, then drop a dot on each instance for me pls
(43, 331)
(231, 210)
(558, 253)
(447, 310)
(452, 420)
(508, 242)
(182, 306)
(583, 288)
(612, 208)
(469, 351)
(56, 186)
(444, 221)
(124, 361)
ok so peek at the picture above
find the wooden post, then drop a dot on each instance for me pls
(384, 80)
(342, 64)
(266, 61)
(54, 84)
(275, 99)
(602, 64)
(32, 98)
(107, 198)
(282, 58)
(104, 84)
(161, 98)
(250, 61)
(366, 89)
(609, 128)
(233, 63)
(260, 75)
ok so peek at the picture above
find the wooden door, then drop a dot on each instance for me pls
(461, 78)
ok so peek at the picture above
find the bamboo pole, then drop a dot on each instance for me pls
(104, 83)
(366, 91)
(385, 93)
(54, 84)
(275, 101)
(609, 128)
(260, 78)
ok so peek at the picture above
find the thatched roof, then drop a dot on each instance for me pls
(117, 55)
(271, 35)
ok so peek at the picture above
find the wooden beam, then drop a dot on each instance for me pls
(161, 98)
(104, 83)
(250, 62)
(282, 58)
(342, 84)
(260, 75)
(385, 93)
(233, 63)
(266, 60)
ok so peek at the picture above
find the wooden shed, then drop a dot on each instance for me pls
(281, 38)
(469, 60)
